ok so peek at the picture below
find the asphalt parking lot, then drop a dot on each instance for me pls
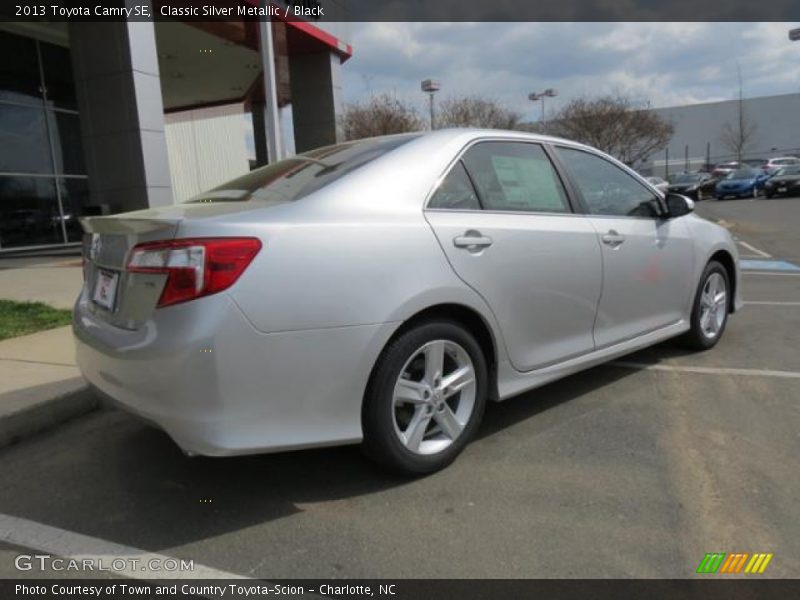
(621, 471)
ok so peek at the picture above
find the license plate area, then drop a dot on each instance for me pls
(105, 289)
(781, 189)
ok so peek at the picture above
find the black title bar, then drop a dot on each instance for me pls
(402, 10)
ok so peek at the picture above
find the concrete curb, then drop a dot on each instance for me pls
(44, 407)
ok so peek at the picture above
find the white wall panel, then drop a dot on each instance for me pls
(206, 148)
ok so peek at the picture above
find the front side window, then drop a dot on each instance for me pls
(515, 177)
(607, 189)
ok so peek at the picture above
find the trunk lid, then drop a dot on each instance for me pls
(112, 294)
(131, 298)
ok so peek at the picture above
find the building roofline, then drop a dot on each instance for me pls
(713, 102)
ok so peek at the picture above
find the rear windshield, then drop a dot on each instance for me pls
(742, 174)
(788, 171)
(687, 178)
(296, 177)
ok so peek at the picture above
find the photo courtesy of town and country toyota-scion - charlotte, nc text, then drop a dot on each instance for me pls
(166, 10)
(227, 590)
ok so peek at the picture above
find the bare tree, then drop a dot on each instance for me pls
(616, 124)
(738, 137)
(380, 115)
(475, 111)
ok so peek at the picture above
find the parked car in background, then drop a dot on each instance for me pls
(698, 186)
(785, 182)
(762, 179)
(723, 169)
(658, 183)
(740, 183)
(756, 163)
(384, 290)
(780, 161)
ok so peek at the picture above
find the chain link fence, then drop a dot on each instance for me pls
(667, 163)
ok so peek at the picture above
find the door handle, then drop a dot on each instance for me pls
(612, 238)
(472, 242)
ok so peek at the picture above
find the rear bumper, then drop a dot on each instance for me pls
(219, 387)
(738, 193)
(789, 191)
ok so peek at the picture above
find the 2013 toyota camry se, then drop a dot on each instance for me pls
(382, 291)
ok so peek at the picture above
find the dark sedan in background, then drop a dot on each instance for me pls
(697, 186)
(785, 182)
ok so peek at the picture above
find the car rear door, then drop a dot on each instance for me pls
(503, 218)
(647, 260)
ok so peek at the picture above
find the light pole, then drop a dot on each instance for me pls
(430, 87)
(534, 97)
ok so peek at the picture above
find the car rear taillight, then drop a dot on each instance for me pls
(194, 267)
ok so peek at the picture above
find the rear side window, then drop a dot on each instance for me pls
(455, 192)
(297, 177)
(515, 177)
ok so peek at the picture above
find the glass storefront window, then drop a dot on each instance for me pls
(23, 140)
(19, 70)
(57, 69)
(43, 184)
(66, 130)
(75, 202)
(29, 213)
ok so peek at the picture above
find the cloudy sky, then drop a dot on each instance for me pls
(664, 63)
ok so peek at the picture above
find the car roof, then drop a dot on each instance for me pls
(466, 135)
(477, 133)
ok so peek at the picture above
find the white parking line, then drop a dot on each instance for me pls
(70, 545)
(707, 370)
(771, 303)
(782, 273)
(752, 248)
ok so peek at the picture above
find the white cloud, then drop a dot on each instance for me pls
(665, 63)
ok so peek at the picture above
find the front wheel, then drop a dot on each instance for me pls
(710, 309)
(425, 398)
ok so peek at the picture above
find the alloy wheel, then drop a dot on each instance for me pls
(713, 305)
(434, 397)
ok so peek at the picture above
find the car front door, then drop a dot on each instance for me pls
(503, 218)
(647, 259)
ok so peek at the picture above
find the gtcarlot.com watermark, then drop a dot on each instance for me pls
(45, 562)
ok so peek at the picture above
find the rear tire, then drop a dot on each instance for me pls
(710, 309)
(425, 399)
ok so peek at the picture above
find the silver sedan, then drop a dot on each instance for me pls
(382, 291)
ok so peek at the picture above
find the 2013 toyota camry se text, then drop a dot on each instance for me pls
(382, 291)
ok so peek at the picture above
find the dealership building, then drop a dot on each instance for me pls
(771, 125)
(100, 118)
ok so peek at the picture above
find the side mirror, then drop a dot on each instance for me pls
(678, 205)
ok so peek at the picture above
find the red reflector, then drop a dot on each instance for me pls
(194, 267)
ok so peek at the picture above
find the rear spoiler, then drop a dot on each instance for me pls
(128, 226)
